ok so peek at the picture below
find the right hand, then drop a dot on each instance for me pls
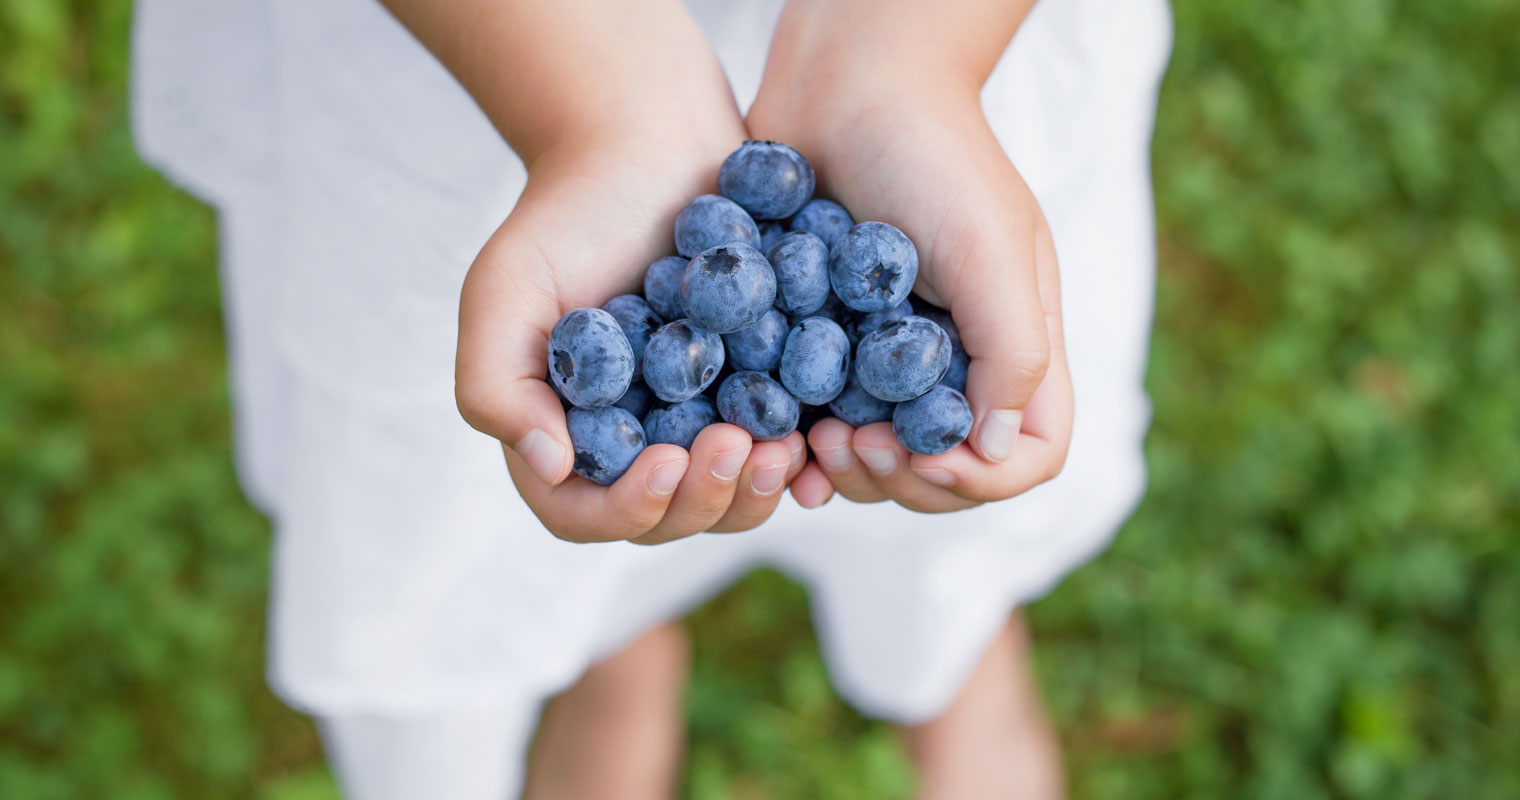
(595, 213)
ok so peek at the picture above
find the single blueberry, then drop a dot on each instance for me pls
(679, 423)
(758, 347)
(681, 360)
(636, 400)
(858, 407)
(637, 320)
(662, 287)
(606, 441)
(769, 179)
(863, 324)
(710, 221)
(825, 219)
(816, 361)
(933, 423)
(873, 266)
(902, 359)
(960, 360)
(728, 287)
(590, 359)
(758, 404)
(801, 263)
(770, 231)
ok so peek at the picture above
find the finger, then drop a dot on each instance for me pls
(578, 510)
(718, 457)
(1045, 433)
(811, 488)
(887, 461)
(1001, 315)
(830, 440)
(771, 466)
(502, 357)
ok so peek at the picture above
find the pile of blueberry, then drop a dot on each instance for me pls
(766, 325)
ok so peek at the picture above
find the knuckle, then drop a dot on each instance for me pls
(658, 536)
(472, 402)
(734, 524)
(708, 509)
(1028, 365)
(746, 519)
(572, 535)
(860, 495)
(637, 522)
(1054, 465)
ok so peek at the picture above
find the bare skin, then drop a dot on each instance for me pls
(994, 741)
(883, 98)
(618, 731)
(621, 114)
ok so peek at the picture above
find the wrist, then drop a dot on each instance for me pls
(827, 86)
(838, 110)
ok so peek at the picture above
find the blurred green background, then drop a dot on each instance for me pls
(1320, 597)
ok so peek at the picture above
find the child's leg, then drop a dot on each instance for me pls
(468, 755)
(618, 732)
(994, 741)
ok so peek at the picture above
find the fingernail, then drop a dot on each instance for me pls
(834, 459)
(666, 477)
(543, 454)
(999, 430)
(938, 477)
(877, 460)
(799, 452)
(768, 480)
(727, 464)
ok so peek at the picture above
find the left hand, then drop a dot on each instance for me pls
(912, 148)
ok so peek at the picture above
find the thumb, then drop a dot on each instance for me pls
(1002, 323)
(502, 359)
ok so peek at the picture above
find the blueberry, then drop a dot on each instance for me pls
(709, 221)
(758, 404)
(637, 320)
(770, 231)
(590, 359)
(816, 361)
(606, 442)
(679, 423)
(662, 287)
(728, 287)
(681, 360)
(863, 324)
(873, 266)
(769, 179)
(933, 423)
(636, 400)
(857, 407)
(825, 219)
(758, 347)
(902, 359)
(960, 360)
(801, 263)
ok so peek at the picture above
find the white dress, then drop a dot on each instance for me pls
(356, 181)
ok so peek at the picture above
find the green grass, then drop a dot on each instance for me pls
(1319, 597)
